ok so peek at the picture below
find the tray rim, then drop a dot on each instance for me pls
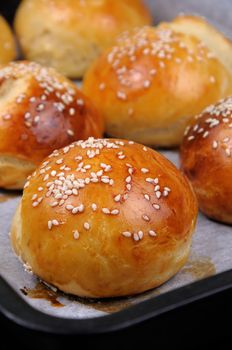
(19, 311)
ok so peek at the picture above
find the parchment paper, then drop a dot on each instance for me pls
(212, 242)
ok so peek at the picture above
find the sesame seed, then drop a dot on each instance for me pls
(40, 107)
(102, 86)
(40, 189)
(105, 210)
(49, 224)
(115, 212)
(140, 234)
(80, 102)
(6, 117)
(146, 218)
(126, 234)
(156, 206)
(94, 207)
(121, 95)
(228, 152)
(54, 204)
(157, 188)
(55, 223)
(36, 119)
(128, 179)
(35, 204)
(70, 132)
(158, 194)
(146, 84)
(87, 226)
(206, 133)
(117, 198)
(53, 173)
(147, 197)
(69, 207)
(72, 111)
(145, 149)
(215, 145)
(144, 170)
(190, 138)
(128, 186)
(76, 234)
(136, 237)
(152, 233)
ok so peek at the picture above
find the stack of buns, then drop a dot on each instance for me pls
(103, 217)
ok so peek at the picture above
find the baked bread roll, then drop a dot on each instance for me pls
(206, 159)
(153, 81)
(7, 43)
(105, 218)
(69, 35)
(40, 111)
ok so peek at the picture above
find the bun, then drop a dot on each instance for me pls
(105, 218)
(206, 159)
(153, 82)
(40, 111)
(69, 35)
(7, 42)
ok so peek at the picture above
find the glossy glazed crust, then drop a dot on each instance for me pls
(7, 43)
(81, 28)
(152, 82)
(206, 159)
(103, 261)
(40, 111)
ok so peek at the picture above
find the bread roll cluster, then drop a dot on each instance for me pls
(102, 217)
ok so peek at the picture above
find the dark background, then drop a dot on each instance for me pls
(205, 323)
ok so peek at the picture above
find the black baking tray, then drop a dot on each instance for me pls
(17, 310)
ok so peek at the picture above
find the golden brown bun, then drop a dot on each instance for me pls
(69, 35)
(213, 39)
(40, 111)
(108, 218)
(152, 82)
(206, 158)
(7, 43)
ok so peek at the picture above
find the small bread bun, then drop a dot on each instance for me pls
(40, 111)
(206, 159)
(153, 81)
(68, 35)
(7, 42)
(105, 218)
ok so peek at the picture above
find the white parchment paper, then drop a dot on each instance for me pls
(210, 253)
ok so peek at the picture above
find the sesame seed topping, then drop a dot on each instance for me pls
(147, 197)
(86, 226)
(156, 206)
(152, 233)
(105, 210)
(126, 234)
(117, 198)
(144, 170)
(94, 206)
(146, 218)
(76, 234)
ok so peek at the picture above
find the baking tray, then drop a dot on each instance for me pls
(208, 271)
